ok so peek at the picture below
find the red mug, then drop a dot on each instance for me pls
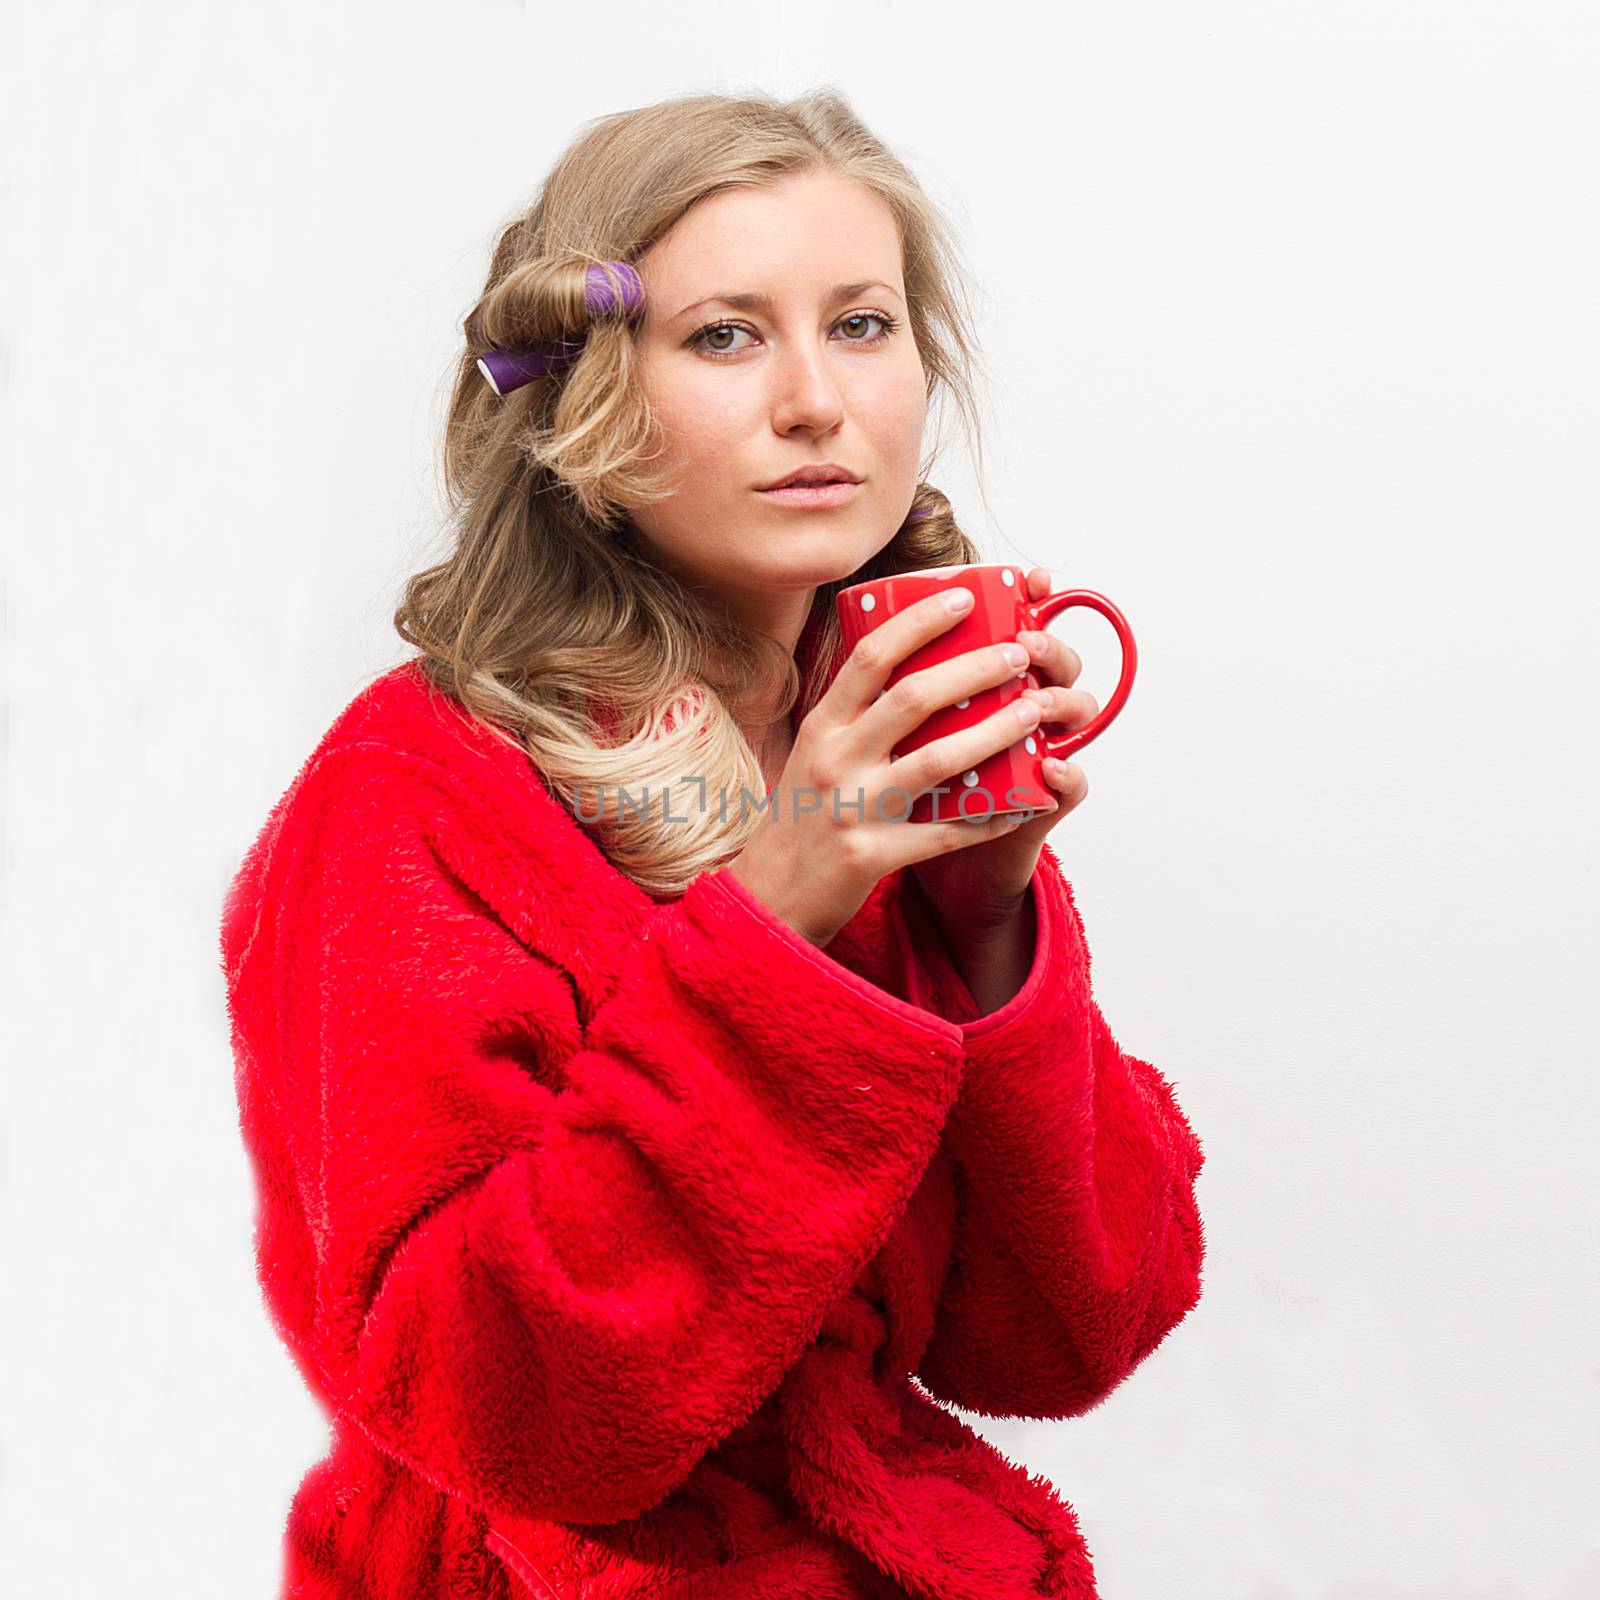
(1012, 779)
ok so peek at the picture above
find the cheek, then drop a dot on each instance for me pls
(893, 416)
(706, 424)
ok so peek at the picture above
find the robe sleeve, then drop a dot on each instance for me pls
(548, 1261)
(1079, 1244)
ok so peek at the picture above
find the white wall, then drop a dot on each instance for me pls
(1291, 311)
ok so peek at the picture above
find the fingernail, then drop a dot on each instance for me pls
(958, 600)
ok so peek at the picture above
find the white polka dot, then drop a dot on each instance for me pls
(1029, 745)
(869, 602)
(961, 705)
(1008, 578)
(969, 778)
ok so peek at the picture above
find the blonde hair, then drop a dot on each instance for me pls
(547, 622)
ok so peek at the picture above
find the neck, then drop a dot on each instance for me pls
(780, 617)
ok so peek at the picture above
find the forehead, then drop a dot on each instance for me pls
(802, 240)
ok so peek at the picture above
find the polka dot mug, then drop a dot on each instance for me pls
(1012, 779)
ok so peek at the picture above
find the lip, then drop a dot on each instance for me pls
(816, 469)
(817, 496)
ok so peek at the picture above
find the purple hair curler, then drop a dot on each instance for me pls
(506, 370)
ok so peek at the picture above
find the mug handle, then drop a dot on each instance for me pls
(1039, 614)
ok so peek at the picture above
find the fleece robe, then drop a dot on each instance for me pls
(629, 1244)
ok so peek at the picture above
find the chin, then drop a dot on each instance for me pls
(843, 543)
(811, 562)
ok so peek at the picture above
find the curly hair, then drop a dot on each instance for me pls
(547, 621)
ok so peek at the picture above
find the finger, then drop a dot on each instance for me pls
(869, 666)
(921, 841)
(951, 761)
(1051, 656)
(1068, 782)
(904, 707)
(1039, 582)
(1074, 707)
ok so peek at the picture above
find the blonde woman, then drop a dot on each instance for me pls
(640, 1166)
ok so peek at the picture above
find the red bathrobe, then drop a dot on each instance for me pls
(610, 1231)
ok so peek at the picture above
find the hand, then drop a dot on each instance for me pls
(840, 808)
(977, 892)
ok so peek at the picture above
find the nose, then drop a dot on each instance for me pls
(806, 391)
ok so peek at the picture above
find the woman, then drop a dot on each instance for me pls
(621, 1163)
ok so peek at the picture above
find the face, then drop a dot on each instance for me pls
(824, 373)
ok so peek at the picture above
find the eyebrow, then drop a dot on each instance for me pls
(764, 302)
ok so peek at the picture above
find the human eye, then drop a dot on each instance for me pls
(700, 335)
(698, 339)
(890, 325)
